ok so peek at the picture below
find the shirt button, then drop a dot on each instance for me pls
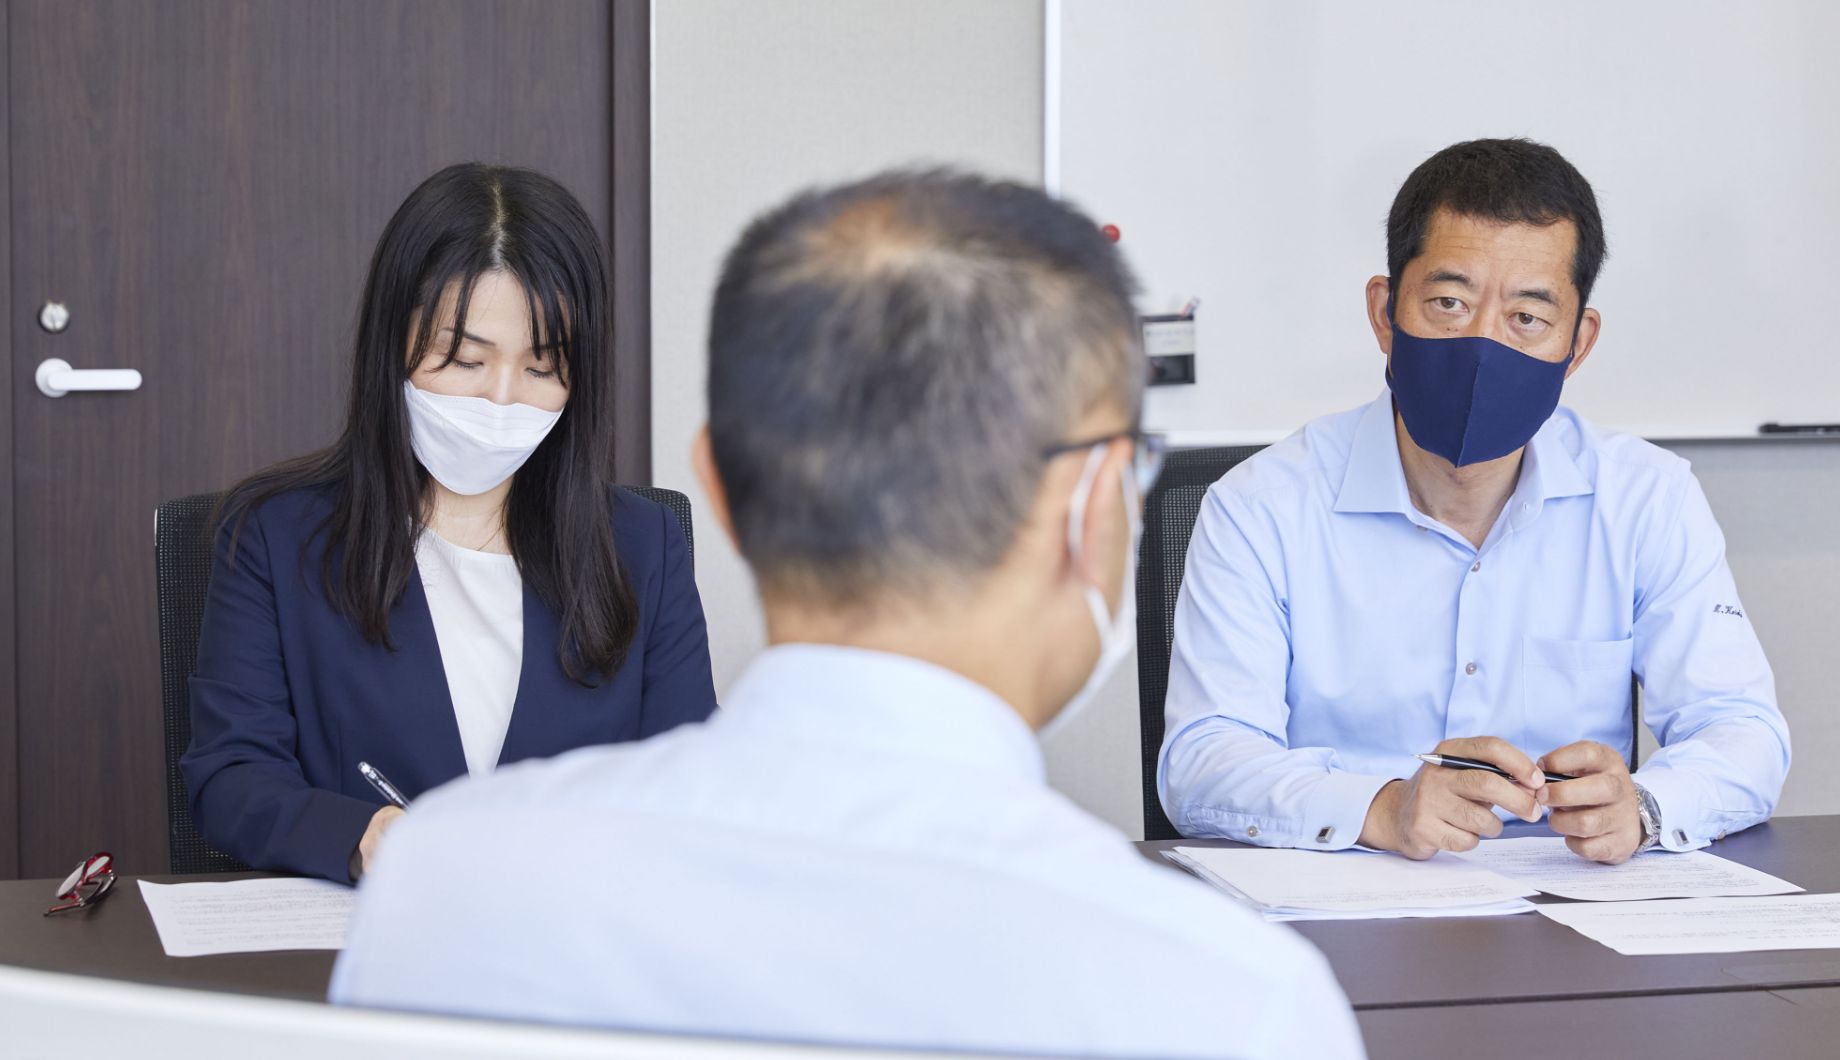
(1476, 566)
(1470, 669)
(1252, 831)
(1718, 837)
(1525, 508)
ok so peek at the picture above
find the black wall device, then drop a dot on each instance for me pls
(1169, 342)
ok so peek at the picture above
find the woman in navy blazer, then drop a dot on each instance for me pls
(478, 422)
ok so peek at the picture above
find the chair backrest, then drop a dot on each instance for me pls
(182, 535)
(183, 530)
(679, 505)
(1169, 519)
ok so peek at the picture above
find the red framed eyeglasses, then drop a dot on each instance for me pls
(90, 883)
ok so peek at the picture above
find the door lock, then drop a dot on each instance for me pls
(54, 317)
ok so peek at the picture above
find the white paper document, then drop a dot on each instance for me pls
(1353, 884)
(249, 916)
(1543, 862)
(1707, 925)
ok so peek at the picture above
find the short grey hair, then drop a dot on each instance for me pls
(888, 361)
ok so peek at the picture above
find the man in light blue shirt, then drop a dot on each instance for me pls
(1461, 566)
(923, 395)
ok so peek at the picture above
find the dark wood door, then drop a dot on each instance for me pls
(201, 183)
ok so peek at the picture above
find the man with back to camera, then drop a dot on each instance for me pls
(1462, 566)
(923, 401)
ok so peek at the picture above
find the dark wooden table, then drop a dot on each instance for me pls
(1800, 1024)
(1421, 988)
(116, 940)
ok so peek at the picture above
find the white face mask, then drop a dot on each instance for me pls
(1116, 632)
(470, 444)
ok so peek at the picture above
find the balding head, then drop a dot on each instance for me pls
(888, 361)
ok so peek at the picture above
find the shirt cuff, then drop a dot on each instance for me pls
(1683, 824)
(1336, 810)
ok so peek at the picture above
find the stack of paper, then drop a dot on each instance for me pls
(1544, 863)
(1707, 925)
(1667, 903)
(1353, 885)
(248, 916)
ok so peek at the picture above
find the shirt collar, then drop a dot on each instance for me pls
(891, 703)
(1375, 479)
(1549, 470)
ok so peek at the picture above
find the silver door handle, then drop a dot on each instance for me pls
(57, 378)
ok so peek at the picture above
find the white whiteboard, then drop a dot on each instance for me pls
(1248, 151)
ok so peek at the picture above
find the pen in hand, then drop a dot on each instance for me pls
(383, 785)
(1454, 762)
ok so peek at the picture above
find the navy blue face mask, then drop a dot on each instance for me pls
(1470, 399)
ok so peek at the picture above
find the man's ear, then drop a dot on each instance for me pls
(1378, 291)
(703, 460)
(1590, 325)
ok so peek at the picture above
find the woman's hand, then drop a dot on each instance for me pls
(367, 846)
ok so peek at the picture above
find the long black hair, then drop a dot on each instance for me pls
(462, 222)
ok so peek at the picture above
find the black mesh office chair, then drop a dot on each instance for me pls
(182, 566)
(680, 507)
(1169, 518)
(182, 563)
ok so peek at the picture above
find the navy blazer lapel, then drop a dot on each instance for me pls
(542, 686)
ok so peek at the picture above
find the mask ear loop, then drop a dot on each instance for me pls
(1392, 321)
(1132, 490)
(1082, 492)
(1076, 522)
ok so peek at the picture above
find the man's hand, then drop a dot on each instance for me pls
(367, 846)
(1597, 812)
(1452, 809)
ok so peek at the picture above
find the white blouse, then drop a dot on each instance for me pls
(477, 602)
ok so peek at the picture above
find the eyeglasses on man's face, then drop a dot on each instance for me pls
(1146, 460)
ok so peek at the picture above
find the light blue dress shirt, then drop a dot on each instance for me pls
(858, 847)
(1327, 631)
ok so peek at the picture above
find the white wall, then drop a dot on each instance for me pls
(756, 99)
(1636, 96)
(1779, 505)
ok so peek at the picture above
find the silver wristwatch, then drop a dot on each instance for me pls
(1651, 818)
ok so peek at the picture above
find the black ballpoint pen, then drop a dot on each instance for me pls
(1453, 762)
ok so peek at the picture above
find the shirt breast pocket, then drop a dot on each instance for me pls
(1577, 690)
